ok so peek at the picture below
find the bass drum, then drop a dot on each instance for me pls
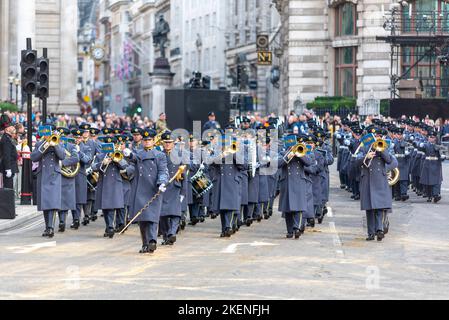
(201, 184)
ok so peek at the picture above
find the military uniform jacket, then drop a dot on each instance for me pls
(68, 192)
(150, 172)
(432, 171)
(317, 176)
(354, 168)
(375, 192)
(109, 193)
(293, 184)
(8, 154)
(328, 161)
(85, 156)
(404, 159)
(171, 200)
(95, 149)
(225, 195)
(49, 178)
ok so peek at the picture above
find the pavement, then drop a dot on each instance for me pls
(332, 261)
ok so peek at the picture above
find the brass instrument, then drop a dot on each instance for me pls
(393, 177)
(379, 145)
(116, 157)
(51, 141)
(232, 149)
(69, 171)
(158, 140)
(299, 150)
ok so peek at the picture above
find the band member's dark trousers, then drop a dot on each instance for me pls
(258, 210)
(355, 187)
(194, 210)
(8, 183)
(148, 232)
(433, 190)
(270, 206)
(342, 179)
(49, 217)
(120, 217)
(318, 211)
(92, 206)
(375, 220)
(87, 209)
(108, 215)
(169, 225)
(226, 219)
(76, 214)
(403, 187)
(248, 210)
(63, 216)
(293, 221)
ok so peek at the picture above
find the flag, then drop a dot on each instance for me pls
(44, 131)
(368, 140)
(107, 148)
(290, 141)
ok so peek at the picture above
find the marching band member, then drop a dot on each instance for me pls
(432, 172)
(375, 192)
(194, 202)
(354, 169)
(150, 177)
(68, 185)
(91, 193)
(84, 152)
(328, 161)
(403, 156)
(293, 199)
(226, 190)
(173, 197)
(127, 175)
(109, 195)
(49, 181)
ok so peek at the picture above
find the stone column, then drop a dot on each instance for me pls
(4, 49)
(161, 79)
(69, 26)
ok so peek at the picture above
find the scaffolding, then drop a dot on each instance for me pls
(420, 38)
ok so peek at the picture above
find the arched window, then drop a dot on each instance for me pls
(346, 19)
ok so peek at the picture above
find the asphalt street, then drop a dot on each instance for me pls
(333, 261)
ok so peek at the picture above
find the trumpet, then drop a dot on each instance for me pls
(299, 151)
(379, 145)
(116, 157)
(51, 141)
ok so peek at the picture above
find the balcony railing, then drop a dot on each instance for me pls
(418, 23)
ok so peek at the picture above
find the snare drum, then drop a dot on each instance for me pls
(201, 184)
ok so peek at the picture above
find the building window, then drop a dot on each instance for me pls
(421, 63)
(345, 71)
(80, 66)
(426, 16)
(346, 19)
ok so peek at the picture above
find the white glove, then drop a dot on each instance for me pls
(347, 142)
(443, 157)
(127, 152)
(77, 148)
(162, 188)
(407, 153)
(202, 167)
(8, 173)
(181, 198)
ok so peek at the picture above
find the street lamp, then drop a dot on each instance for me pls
(17, 83)
(11, 81)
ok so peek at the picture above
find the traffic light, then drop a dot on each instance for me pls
(139, 109)
(29, 71)
(242, 77)
(42, 78)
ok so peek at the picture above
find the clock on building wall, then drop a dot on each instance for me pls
(98, 53)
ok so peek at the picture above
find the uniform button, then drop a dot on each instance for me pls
(140, 175)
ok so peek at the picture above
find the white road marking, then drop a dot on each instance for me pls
(233, 247)
(30, 226)
(337, 241)
(32, 247)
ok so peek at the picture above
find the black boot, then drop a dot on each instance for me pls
(86, 220)
(75, 225)
(380, 235)
(153, 246)
(45, 234)
(145, 249)
(297, 233)
(371, 237)
(436, 199)
(61, 227)
(51, 233)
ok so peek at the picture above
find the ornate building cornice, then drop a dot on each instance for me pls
(335, 3)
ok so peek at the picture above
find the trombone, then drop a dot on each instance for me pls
(116, 157)
(379, 145)
(299, 150)
(51, 141)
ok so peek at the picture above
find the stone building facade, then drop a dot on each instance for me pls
(50, 24)
(330, 49)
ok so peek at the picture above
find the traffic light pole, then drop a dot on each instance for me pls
(27, 179)
(44, 99)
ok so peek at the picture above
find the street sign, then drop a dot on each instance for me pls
(264, 58)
